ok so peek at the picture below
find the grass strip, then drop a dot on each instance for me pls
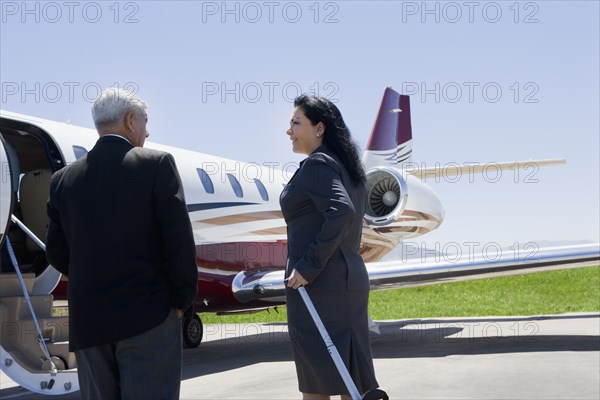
(551, 292)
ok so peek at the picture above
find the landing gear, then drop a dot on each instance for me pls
(192, 331)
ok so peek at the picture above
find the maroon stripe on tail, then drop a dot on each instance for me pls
(392, 127)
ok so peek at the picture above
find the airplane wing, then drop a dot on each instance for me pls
(440, 269)
(268, 285)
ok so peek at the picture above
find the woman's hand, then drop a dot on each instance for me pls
(295, 280)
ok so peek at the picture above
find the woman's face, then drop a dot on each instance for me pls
(305, 136)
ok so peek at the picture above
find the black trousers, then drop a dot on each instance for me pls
(147, 366)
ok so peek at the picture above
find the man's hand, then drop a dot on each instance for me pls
(179, 313)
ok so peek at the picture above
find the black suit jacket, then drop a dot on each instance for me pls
(324, 214)
(119, 229)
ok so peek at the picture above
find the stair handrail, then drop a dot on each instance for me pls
(40, 339)
(28, 232)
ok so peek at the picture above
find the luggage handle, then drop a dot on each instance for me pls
(335, 355)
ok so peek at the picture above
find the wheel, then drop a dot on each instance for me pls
(192, 331)
(375, 394)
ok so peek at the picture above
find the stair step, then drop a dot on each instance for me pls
(20, 337)
(61, 350)
(10, 285)
(15, 307)
(56, 329)
(17, 333)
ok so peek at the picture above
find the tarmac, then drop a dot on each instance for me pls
(530, 357)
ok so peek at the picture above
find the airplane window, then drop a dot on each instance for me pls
(237, 188)
(206, 181)
(79, 151)
(262, 189)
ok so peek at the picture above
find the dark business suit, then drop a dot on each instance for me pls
(324, 213)
(119, 229)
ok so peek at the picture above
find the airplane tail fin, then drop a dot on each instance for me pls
(390, 142)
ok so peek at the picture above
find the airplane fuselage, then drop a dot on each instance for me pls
(233, 206)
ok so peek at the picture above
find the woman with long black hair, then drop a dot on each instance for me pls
(323, 206)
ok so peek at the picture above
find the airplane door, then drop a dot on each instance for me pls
(6, 189)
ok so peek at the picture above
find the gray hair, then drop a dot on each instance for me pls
(113, 103)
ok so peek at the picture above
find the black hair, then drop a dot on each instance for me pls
(336, 136)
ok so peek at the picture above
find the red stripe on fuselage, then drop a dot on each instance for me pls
(226, 260)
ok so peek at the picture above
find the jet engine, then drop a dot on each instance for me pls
(387, 193)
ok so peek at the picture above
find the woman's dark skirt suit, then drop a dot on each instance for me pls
(324, 213)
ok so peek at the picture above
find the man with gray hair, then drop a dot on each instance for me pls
(119, 229)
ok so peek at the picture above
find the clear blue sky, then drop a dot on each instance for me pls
(490, 81)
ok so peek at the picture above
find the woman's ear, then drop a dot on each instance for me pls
(320, 128)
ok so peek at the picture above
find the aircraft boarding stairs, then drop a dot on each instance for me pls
(41, 365)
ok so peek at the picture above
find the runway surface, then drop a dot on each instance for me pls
(534, 357)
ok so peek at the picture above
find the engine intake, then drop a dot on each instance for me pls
(387, 192)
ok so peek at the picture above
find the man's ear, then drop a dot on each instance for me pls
(129, 121)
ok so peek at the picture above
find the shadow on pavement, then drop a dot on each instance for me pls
(399, 339)
(243, 345)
